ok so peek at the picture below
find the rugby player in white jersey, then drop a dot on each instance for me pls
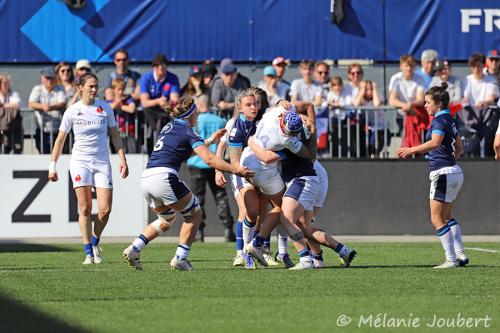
(91, 120)
(276, 131)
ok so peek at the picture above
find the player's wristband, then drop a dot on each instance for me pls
(52, 167)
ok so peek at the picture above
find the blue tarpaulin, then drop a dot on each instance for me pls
(245, 30)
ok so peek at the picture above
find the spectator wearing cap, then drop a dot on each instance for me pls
(195, 86)
(280, 64)
(122, 71)
(479, 92)
(428, 64)
(11, 131)
(48, 100)
(305, 89)
(226, 88)
(157, 87)
(82, 66)
(443, 74)
(493, 65)
(274, 88)
(202, 175)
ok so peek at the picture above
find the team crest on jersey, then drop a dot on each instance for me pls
(99, 109)
(167, 128)
(78, 178)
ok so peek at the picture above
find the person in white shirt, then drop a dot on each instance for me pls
(406, 90)
(91, 120)
(354, 77)
(48, 100)
(477, 118)
(305, 89)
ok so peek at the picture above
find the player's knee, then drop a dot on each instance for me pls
(298, 236)
(104, 212)
(192, 210)
(165, 221)
(85, 210)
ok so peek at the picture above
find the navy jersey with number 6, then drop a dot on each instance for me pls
(443, 156)
(175, 145)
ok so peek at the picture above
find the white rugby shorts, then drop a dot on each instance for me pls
(305, 190)
(323, 184)
(91, 173)
(446, 183)
(267, 176)
(162, 186)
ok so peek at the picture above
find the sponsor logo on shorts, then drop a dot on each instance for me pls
(78, 178)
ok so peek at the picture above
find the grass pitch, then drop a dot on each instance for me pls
(46, 289)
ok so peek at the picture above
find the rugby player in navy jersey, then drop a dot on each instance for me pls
(165, 193)
(443, 146)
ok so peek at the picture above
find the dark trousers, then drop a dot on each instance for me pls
(199, 180)
(155, 118)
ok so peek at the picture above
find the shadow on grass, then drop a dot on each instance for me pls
(18, 317)
(20, 247)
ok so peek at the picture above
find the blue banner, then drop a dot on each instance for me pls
(245, 30)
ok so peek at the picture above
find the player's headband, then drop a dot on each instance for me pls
(188, 112)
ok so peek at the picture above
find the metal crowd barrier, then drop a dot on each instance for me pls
(357, 131)
(30, 125)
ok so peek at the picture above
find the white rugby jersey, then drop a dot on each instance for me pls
(270, 136)
(228, 127)
(90, 126)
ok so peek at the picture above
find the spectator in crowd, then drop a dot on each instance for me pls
(443, 74)
(274, 88)
(428, 64)
(11, 131)
(337, 98)
(355, 76)
(48, 101)
(305, 89)
(130, 77)
(202, 174)
(195, 86)
(369, 95)
(229, 61)
(66, 80)
(493, 65)
(279, 63)
(322, 78)
(225, 89)
(406, 92)
(209, 73)
(477, 119)
(124, 109)
(82, 67)
(157, 87)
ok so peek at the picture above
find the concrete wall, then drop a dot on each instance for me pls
(391, 198)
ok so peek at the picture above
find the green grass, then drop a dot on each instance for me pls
(45, 288)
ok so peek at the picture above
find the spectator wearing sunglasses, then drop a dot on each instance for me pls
(130, 77)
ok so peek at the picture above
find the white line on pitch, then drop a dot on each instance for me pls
(481, 250)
